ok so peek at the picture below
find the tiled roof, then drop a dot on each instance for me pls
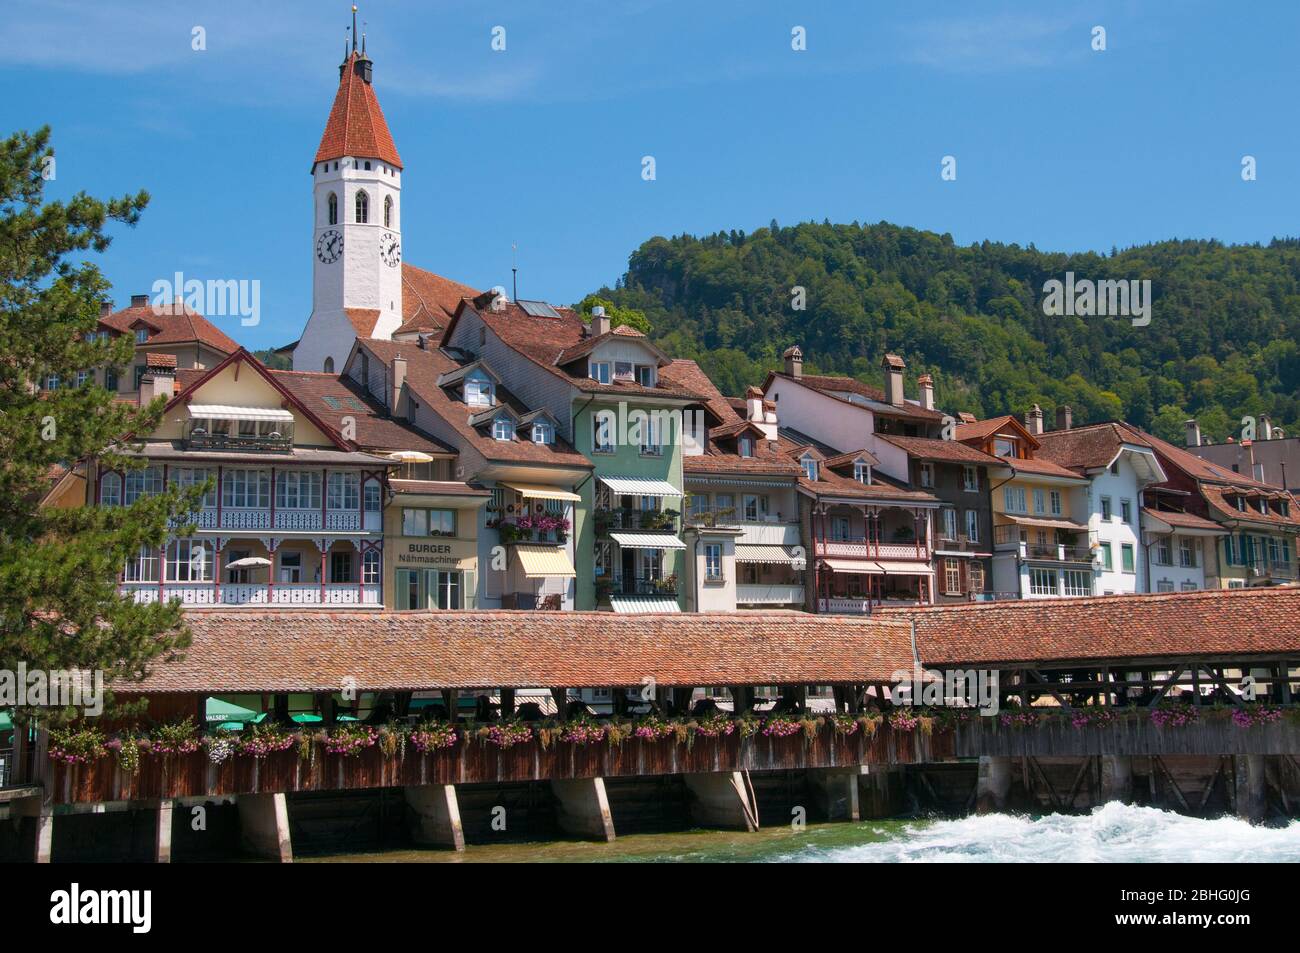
(844, 459)
(1083, 448)
(439, 488)
(1192, 465)
(721, 455)
(1039, 467)
(587, 345)
(542, 340)
(356, 125)
(424, 367)
(333, 397)
(687, 375)
(171, 324)
(943, 451)
(363, 320)
(1187, 520)
(429, 300)
(1218, 499)
(233, 650)
(980, 429)
(1218, 622)
(167, 361)
(832, 386)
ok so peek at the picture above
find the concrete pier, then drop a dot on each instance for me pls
(435, 816)
(583, 808)
(1251, 802)
(264, 826)
(722, 799)
(162, 843)
(1117, 778)
(994, 784)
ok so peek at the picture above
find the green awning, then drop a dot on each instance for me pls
(220, 710)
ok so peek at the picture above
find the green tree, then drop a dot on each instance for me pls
(59, 604)
(617, 315)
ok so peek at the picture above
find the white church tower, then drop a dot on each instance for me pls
(357, 229)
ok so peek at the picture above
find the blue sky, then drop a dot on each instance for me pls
(1056, 144)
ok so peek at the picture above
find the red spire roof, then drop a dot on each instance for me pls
(356, 125)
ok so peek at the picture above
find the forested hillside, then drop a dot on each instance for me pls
(1221, 344)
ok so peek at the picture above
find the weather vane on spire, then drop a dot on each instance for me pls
(354, 28)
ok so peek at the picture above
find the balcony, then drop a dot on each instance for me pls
(621, 518)
(782, 594)
(845, 605)
(237, 518)
(639, 586)
(1006, 539)
(543, 530)
(240, 443)
(859, 548)
(258, 595)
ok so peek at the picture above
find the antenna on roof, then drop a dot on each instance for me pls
(514, 270)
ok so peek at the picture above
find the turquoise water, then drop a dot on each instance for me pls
(1113, 833)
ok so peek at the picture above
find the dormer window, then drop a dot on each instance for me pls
(141, 335)
(623, 371)
(1241, 504)
(543, 432)
(809, 464)
(861, 471)
(1263, 506)
(1004, 447)
(645, 375)
(745, 445)
(598, 371)
(503, 428)
(478, 390)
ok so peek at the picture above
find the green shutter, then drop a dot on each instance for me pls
(469, 595)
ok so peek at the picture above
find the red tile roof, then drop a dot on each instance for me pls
(171, 324)
(834, 386)
(424, 367)
(689, 376)
(167, 361)
(981, 429)
(290, 650)
(1040, 467)
(356, 125)
(363, 320)
(1089, 447)
(347, 399)
(943, 451)
(1187, 520)
(429, 300)
(1218, 622)
(543, 339)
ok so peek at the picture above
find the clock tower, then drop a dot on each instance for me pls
(356, 224)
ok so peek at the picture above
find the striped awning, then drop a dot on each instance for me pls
(539, 561)
(878, 567)
(647, 541)
(636, 486)
(753, 553)
(632, 605)
(1044, 522)
(228, 412)
(536, 491)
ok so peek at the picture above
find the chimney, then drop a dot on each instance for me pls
(1193, 433)
(754, 405)
(139, 301)
(894, 367)
(105, 308)
(926, 383)
(793, 361)
(499, 299)
(1034, 420)
(1265, 427)
(1064, 417)
(599, 321)
(396, 405)
(158, 382)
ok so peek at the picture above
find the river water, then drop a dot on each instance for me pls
(1112, 833)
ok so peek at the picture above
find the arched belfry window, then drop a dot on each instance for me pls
(332, 209)
(363, 207)
(388, 211)
(329, 365)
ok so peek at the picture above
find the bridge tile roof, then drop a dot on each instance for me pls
(310, 650)
(1226, 623)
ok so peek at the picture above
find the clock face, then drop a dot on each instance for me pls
(329, 247)
(390, 250)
